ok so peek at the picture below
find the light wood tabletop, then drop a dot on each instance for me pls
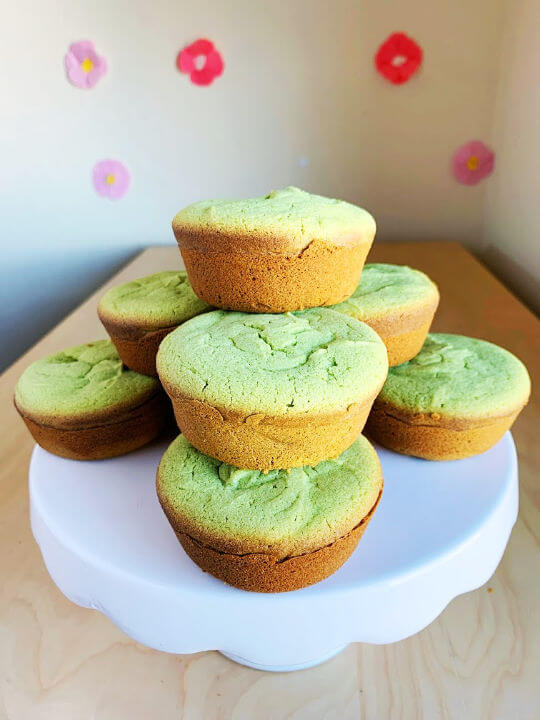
(479, 660)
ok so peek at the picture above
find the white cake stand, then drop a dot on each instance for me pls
(440, 530)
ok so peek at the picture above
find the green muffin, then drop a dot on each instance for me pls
(263, 391)
(140, 313)
(456, 398)
(83, 403)
(287, 250)
(269, 531)
(399, 303)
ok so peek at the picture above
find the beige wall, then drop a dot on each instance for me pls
(407, 134)
(512, 209)
(299, 103)
(299, 82)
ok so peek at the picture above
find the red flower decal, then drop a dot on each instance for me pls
(398, 58)
(201, 61)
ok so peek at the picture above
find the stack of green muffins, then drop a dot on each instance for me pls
(271, 485)
(274, 349)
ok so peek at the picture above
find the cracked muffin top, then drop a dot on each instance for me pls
(385, 289)
(314, 361)
(458, 376)
(86, 382)
(282, 511)
(164, 299)
(286, 220)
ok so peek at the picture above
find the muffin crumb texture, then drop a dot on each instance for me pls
(384, 288)
(315, 360)
(282, 511)
(292, 215)
(163, 299)
(455, 375)
(80, 380)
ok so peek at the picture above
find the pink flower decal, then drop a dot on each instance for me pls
(473, 162)
(398, 58)
(84, 66)
(201, 61)
(111, 179)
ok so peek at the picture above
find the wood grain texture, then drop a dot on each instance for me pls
(479, 660)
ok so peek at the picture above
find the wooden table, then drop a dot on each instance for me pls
(479, 660)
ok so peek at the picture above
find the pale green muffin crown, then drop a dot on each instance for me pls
(82, 380)
(385, 288)
(160, 300)
(310, 505)
(460, 376)
(291, 213)
(314, 361)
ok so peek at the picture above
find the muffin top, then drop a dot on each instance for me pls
(86, 383)
(457, 376)
(316, 361)
(281, 511)
(284, 220)
(163, 299)
(384, 289)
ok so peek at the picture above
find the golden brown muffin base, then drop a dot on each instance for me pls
(433, 441)
(406, 345)
(404, 332)
(320, 275)
(136, 428)
(259, 572)
(140, 354)
(137, 347)
(263, 442)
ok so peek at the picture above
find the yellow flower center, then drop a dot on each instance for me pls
(472, 163)
(87, 65)
(110, 179)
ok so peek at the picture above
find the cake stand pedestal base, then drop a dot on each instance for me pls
(285, 668)
(440, 530)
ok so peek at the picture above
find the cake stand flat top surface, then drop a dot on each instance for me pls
(107, 512)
